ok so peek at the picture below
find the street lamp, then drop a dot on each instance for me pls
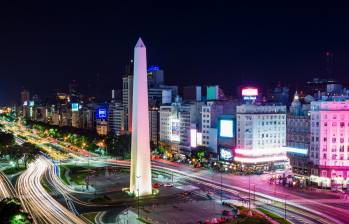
(285, 206)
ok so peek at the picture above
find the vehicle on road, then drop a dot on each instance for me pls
(168, 185)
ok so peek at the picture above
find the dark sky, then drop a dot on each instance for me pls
(44, 45)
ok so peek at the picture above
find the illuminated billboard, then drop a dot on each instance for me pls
(175, 130)
(226, 154)
(74, 107)
(31, 103)
(212, 92)
(101, 113)
(199, 138)
(249, 91)
(193, 142)
(226, 128)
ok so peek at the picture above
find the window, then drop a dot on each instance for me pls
(324, 156)
(334, 124)
(342, 124)
(334, 156)
(341, 140)
(341, 148)
(334, 140)
(325, 139)
(325, 124)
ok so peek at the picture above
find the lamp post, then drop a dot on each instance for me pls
(285, 206)
(221, 187)
(249, 193)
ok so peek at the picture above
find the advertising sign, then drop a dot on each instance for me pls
(226, 128)
(175, 130)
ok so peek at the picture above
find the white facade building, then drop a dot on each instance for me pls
(261, 134)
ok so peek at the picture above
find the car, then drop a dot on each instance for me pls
(156, 185)
(168, 185)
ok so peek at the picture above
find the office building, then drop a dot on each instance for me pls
(192, 93)
(329, 143)
(261, 135)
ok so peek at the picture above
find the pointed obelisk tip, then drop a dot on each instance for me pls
(140, 43)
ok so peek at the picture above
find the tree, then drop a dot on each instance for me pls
(6, 139)
(121, 147)
(10, 212)
(30, 152)
(201, 153)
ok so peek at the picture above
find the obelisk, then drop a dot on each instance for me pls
(140, 177)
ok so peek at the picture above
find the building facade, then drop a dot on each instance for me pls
(329, 143)
(261, 135)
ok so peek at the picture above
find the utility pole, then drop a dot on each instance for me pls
(221, 188)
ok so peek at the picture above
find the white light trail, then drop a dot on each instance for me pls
(42, 207)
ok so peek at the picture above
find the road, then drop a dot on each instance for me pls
(35, 199)
(6, 188)
(307, 201)
(324, 206)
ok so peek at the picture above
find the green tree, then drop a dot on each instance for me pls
(11, 212)
(6, 139)
(30, 152)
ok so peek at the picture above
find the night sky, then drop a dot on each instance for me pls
(44, 45)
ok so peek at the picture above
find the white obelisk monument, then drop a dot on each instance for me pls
(140, 177)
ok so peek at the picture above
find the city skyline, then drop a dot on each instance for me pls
(160, 113)
(219, 45)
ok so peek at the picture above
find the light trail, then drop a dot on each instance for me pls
(264, 198)
(42, 207)
(6, 188)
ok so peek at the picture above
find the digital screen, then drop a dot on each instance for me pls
(226, 128)
(25, 103)
(175, 130)
(31, 103)
(101, 113)
(249, 92)
(193, 138)
(212, 92)
(199, 138)
(226, 154)
(74, 107)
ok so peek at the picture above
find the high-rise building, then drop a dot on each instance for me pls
(261, 135)
(189, 123)
(154, 125)
(89, 117)
(192, 93)
(116, 118)
(210, 113)
(140, 175)
(25, 97)
(127, 84)
(169, 124)
(329, 143)
(298, 136)
(155, 76)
